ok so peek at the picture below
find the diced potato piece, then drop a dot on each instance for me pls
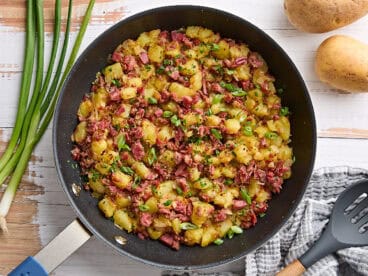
(121, 179)
(161, 222)
(122, 219)
(224, 199)
(226, 156)
(217, 108)
(255, 94)
(151, 203)
(189, 68)
(148, 93)
(217, 173)
(203, 184)
(192, 31)
(242, 154)
(253, 187)
(180, 91)
(262, 195)
(167, 158)
(122, 201)
(103, 168)
(112, 72)
(207, 35)
(242, 72)
(192, 119)
(127, 47)
(156, 53)
(134, 82)
(149, 132)
(126, 112)
(261, 131)
(165, 188)
(193, 236)
(165, 134)
(173, 49)
(213, 120)
(107, 206)
(153, 233)
(98, 147)
(223, 50)
(141, 169)
(239, 51)
(80, 132)
(228, 171)
(209, 235)
(143, 39)
(194, 174)
(176, 226)
(283, 126)
(261, 110)
(96, 186)
(201, 211)
(128, 93)
(223, 227)
(196, 81)
(85, 109)
(100, 97)
(147, 71)
(232, 126)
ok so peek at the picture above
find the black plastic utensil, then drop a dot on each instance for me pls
(348, 227)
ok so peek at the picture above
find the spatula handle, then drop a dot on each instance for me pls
(294, 269)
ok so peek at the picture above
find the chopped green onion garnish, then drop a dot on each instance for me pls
(261, 215)
(116, 82)
(188, 226)
(127, 170)
(244, 194)
(284, 111)
(143, 208)
(160, 70)
(248, 131)
(230, 234)
(280, 91)
(216, 133)
(175, 121)
(179, 191)
(152, 100)
(235, 91)
(167, 62)
(167, 202)
(152, 157)
(136, 182)
(215, 47)
(239, 93)
(271, 135)
(228, 181)
(218, 241)
(121, 142)
(167, 114)
(217, 98)
(236, 229)
(209, 112)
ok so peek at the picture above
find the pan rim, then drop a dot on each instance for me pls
(270, 234)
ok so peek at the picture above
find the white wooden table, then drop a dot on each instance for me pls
(41, 209)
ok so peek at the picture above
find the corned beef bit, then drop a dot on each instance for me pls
(146, 145)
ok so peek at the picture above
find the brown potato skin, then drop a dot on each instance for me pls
(319, 16)
(342, 62)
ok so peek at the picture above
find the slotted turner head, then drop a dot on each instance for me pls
(350, 214)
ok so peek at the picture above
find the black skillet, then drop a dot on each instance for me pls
(281, 207)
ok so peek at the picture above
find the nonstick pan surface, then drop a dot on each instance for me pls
(296, 97)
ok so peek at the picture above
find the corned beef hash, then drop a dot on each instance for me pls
(183, 137)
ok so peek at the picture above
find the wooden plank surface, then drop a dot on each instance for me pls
(41, 209)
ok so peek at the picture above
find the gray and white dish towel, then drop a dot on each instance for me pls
(304, 228)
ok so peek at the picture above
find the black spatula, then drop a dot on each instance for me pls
(348, 227)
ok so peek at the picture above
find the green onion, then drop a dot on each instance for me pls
(239, 93)
(280, 91)
(143, 208)
(216, 133)
(152, 100)
(167, 62)
(235, 91)
(215, 47)
(175, 121)
(32, 119)
(136, 182)
(126, 170)
(236, 229)
(160, 70)
(116, 82)
(179, 191)
(248, 131)
(167, 114)
(230, 234)
(271, 135)
(188, 226)
(167, 202)
(218, 241)
(208, 112)
(244, 194)
(152, 156)
(217, 98)
(261, 215)
(121, 142)
(228, 181)
(284, 111)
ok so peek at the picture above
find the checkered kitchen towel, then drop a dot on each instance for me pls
(304, 228)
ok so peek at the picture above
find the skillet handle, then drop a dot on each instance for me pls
(294, 269)
(56, 252)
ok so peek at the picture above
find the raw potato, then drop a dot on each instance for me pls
(342, 62)
(319, 16)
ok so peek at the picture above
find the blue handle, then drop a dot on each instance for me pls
(29, 267)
